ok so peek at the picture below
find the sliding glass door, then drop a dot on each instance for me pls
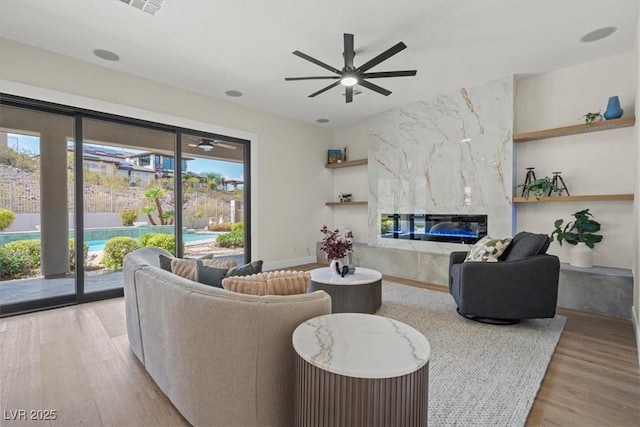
(36, 209)
(128, 199)
(80, 189)
(213, 196)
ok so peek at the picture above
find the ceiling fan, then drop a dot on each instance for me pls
(206, 144)
(350, 76)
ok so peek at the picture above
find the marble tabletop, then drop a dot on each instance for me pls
(361, 345)
(361, 276)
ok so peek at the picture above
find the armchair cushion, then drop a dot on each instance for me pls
(525, 245)
(488, 249)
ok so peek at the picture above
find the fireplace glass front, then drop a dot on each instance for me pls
(453, 228)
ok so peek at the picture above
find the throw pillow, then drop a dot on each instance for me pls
(186, 267)
(287, 282)
(221, 263)
(165, 262)
(488, 249)
(254, 267)
(211, 276)
(254, 284)
(526, 245)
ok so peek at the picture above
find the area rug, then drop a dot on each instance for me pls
(479, 374)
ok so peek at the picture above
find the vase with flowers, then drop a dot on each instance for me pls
(336, 246)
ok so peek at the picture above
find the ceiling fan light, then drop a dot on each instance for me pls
(349, 80)
(205, 145)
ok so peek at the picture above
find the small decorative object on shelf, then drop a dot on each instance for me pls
(540, 187)
(613, 110)
(344, 197)
(554, 181)
(334, 156)
(531, 176)
(336, 246)
(344, 154)
(579, 233)
(592, 117)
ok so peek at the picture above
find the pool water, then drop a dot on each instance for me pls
(98, 245)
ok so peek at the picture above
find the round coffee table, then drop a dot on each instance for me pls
(357, 369)
(360, 292)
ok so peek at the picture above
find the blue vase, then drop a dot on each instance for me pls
(613, 109)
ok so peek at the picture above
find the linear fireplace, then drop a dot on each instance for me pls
(455, 228)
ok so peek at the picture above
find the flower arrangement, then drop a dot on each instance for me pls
(334, 244)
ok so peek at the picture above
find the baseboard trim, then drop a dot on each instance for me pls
(636, 328)
(286, 263)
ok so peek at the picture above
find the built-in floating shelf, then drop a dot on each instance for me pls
(355, 203)
(346, 164)
(589, 198)
(622, 122)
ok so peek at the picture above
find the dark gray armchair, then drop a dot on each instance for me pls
(522, 285)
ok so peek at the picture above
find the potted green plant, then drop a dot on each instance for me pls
(592, 117)
(541, 187)
(581, 234)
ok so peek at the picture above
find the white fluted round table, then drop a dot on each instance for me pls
(358, 369)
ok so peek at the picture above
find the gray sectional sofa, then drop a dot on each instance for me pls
(222, 358)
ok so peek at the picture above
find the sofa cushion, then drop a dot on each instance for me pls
(270, 283)
(165, 262)
(525, 245)
(254, 267)
(287, 282)
(186, 267)
(488, 249)
(254, 284)
(209, 275)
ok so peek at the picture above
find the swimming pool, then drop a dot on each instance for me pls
(98, 245)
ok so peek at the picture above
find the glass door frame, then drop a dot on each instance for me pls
(79, 114)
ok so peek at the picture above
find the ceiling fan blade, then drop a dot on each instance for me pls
(315, 61)
(348, 51)
(407, 73)
(383, 56)
(349, 94)
(331, 86)
(223, 145)
(375, 88)
(312, 78)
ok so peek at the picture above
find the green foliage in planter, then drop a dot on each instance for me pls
(591, 117)
(115, 250)
(6, 218)
(234, 239)
(580, 230)
(541, 187)
(72, 253)
(19, 258)
(159, 240)
(128, 216)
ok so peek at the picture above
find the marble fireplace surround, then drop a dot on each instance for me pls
(450, 154)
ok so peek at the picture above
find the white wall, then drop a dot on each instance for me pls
(593, 163)
(288, 206)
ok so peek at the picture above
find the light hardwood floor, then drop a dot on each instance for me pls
(76, 361)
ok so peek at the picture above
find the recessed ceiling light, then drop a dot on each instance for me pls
(598, 34)
(322, 120)
(107, 55)
(234, 93)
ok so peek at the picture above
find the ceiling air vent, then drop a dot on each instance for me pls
(149, 6)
